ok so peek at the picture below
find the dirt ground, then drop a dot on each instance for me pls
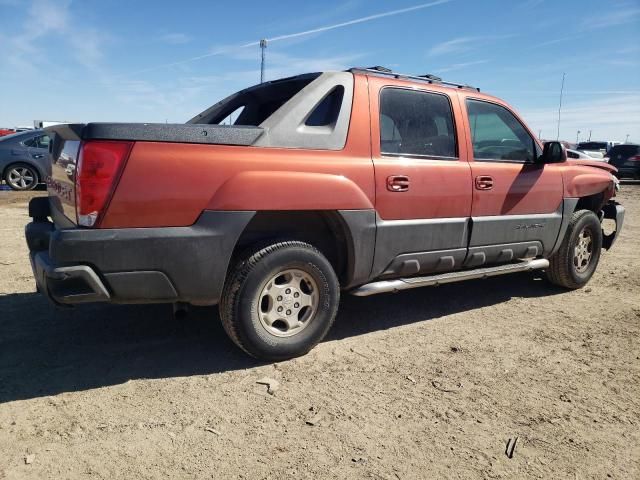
(429, 383)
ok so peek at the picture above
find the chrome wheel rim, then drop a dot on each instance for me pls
(583, 251)
(21, 177)
(288, 302)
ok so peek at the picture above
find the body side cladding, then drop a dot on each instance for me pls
(398, 237)
(360, 226)
(568, 207)
(512, 229)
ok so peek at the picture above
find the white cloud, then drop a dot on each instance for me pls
(225, 50)
(456, 45)
(609, 118)
(463, 44)
(628, 13)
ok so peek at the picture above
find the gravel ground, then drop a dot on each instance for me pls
(428, 383)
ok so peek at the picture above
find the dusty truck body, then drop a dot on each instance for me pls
(363, 181)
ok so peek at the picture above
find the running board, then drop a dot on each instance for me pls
(384, 286)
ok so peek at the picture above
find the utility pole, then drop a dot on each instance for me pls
(577, 135)
(627, 139)
(590, 135)
(263, 48)
(560, 106)
(539, 134)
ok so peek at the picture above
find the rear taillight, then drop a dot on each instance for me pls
(635, 158)
(99, 166)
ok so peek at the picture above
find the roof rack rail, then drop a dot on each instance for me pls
(428, 78)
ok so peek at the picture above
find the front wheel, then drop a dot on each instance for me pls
(573, 265)
(280, 301)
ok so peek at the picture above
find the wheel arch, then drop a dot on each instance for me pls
(345, 237)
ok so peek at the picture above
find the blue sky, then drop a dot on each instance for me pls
(116, 60)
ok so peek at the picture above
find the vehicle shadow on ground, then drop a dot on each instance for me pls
(45, 351)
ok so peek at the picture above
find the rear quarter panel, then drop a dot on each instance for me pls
(170, 184)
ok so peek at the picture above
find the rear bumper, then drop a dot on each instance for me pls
(614, 211)
(133, 265)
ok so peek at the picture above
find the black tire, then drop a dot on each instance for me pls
(566, 269)
(243, 301)
(21, 177)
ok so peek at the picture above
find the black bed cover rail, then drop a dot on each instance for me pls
(160, 132)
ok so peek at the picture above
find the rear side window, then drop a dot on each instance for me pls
(327, 111)
(416, 123)
(497, 134)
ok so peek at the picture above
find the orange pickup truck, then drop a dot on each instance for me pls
(363, 181)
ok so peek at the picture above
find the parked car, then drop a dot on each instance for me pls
(6, 131)
(23, 159)
(364, 181)
(596, 146)
(626, 158)
(575, 154)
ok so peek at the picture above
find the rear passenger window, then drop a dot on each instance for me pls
(497, 134)
(416, 123)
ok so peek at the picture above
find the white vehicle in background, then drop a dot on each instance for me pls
(575, 154)
(596, 149)
(47, 123)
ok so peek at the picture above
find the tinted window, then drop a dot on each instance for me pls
(30, 143)
(326, 113)
(625, 150)
(497, 134)
(41, 141)
(592, 146)
(416, 123)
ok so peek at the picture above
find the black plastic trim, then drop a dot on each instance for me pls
(161, 132)
(192, 261)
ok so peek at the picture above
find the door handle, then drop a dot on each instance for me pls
(397, 183)
(484, 182)
(38, 155)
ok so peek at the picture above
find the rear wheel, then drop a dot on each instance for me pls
(573, 265)
(21, 177)
(280, 301)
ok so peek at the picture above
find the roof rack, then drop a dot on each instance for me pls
(428, 78)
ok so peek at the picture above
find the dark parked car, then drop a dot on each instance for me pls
(23, 159)
(626, 158)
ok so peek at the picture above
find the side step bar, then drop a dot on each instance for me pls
(384, 286)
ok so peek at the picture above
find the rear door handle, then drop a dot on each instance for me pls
(38, 155)
(397, 183)
(484, 182)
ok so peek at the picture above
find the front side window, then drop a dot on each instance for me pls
(416, 123)
(497, 134)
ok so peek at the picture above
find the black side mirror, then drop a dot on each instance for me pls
(553, 152)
